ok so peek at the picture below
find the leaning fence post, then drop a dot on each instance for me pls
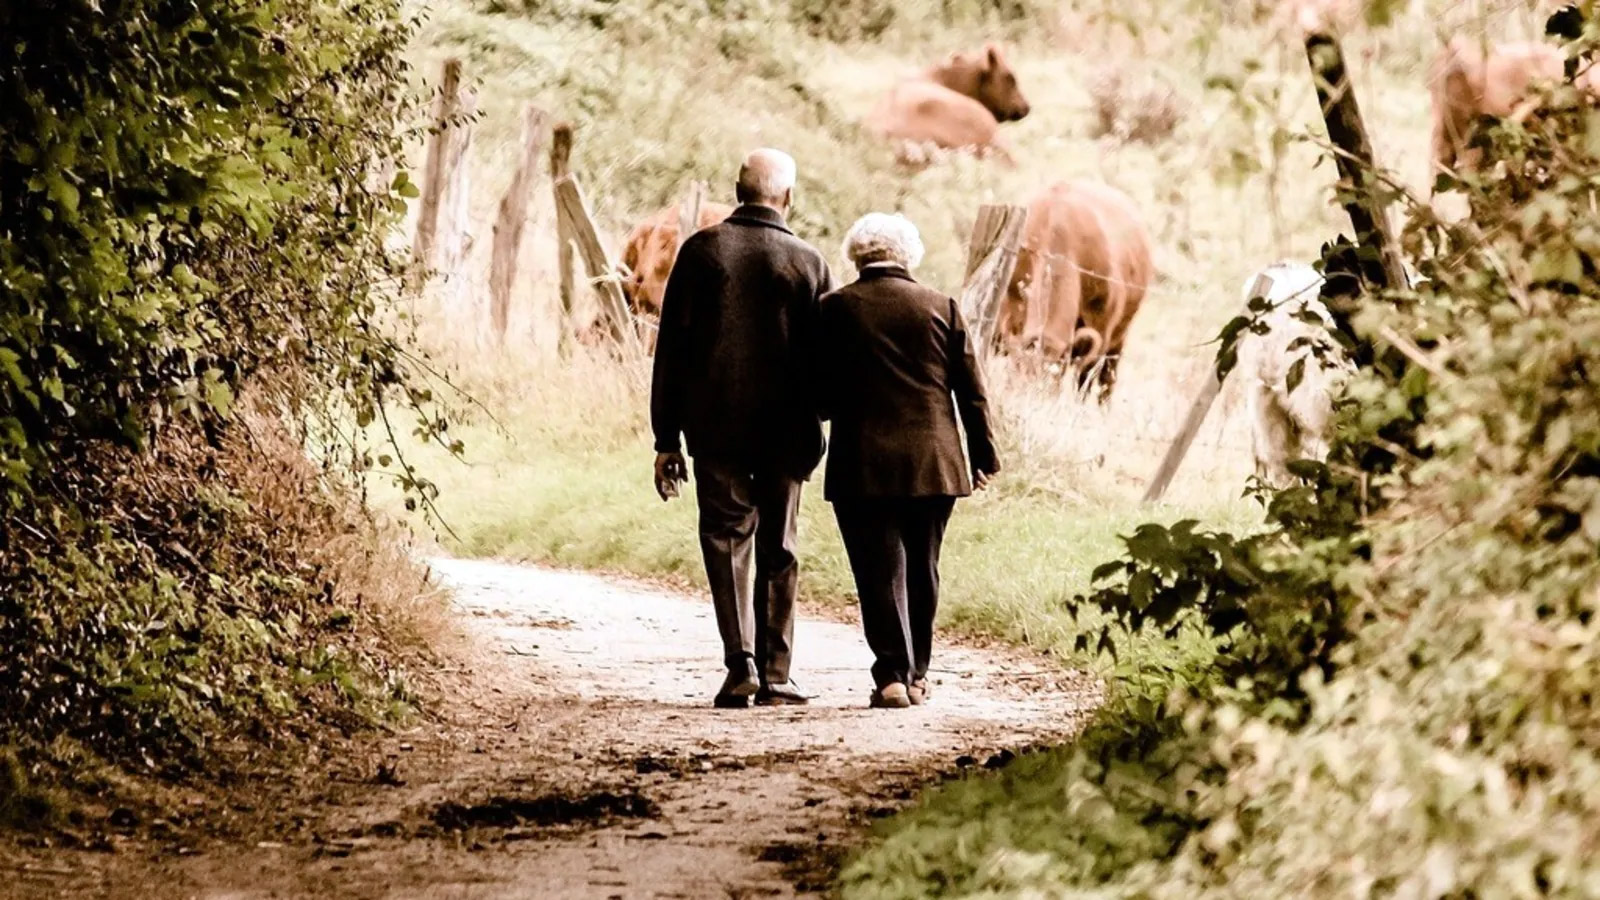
(991, 261)
(1359, 188)
(602, 272)
(440, 241)
(689, 211)
(1261, 287)
(560, 167)
(511, 222)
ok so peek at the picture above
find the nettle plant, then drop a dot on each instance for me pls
(1408, 648)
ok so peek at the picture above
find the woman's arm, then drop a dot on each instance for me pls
(972, 402)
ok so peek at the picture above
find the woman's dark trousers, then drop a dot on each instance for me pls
(893, 545)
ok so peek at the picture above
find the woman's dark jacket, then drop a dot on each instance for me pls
(895, 368)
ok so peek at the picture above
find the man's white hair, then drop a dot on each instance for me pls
(883, 238)
(767, 174)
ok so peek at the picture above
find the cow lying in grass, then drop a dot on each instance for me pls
(956, 105)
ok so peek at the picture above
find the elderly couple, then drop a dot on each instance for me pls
(756, 348)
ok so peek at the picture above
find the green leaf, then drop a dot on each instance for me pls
(1105, 570)
(1558, 264)
(8, 365)
(1140, 587)
(1591, 133)
(63, 192)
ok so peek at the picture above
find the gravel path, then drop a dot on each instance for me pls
(577, 755)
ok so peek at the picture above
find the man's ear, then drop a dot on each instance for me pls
(788, 199)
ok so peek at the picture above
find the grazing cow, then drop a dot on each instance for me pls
(650, 250)
(1289, 424)
(1081, 275)
(1468, 82)
(955, 105)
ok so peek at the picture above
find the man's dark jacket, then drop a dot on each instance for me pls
(892, 355)
(732, 367)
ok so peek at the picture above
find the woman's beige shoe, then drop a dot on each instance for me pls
(920, 691)
(891, 696)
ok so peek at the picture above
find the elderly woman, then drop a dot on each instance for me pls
(896, 367)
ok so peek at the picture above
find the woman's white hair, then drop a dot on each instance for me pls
(883, 238)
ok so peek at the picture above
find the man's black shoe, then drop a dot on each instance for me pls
(783, 694)
(742, 682)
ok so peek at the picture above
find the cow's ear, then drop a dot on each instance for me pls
(991, 56)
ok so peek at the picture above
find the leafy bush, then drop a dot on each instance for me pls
(187, 206)
(1404, 697)
(214, 588)
(187, 210)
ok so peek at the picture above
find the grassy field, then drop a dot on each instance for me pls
(569, 485)
(670, 91)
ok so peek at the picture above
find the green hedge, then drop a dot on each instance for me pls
(194, 200)
(185, 204)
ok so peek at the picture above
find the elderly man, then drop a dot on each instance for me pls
(731, 368)
(897, 368)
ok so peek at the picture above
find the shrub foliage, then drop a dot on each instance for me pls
(190, 206)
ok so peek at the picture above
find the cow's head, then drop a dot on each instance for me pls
(986, 77)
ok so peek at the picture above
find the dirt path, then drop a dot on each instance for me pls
(578, 756)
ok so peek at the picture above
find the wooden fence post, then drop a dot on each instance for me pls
(440, 242)
(991, 260)
(561, 167)
(689, 211)
(1359, 189)
(511, 222)
(455, 213)
(1262, 287)
(603, 274)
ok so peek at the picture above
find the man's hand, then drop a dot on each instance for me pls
(671, 471)
(981, 479)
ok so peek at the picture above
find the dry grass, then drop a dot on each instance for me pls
(364, 557)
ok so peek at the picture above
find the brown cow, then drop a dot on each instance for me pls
(1467, 82)
(955, 105)
(650, 250)
(1081, 275)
